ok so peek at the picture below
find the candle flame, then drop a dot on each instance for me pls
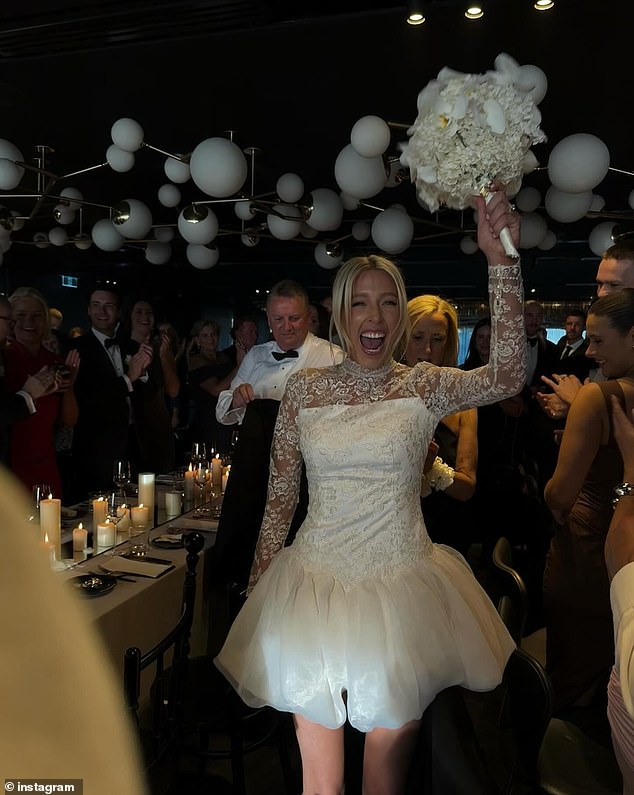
(46, 538)
(141, 505)
(191, 468)
(81, 526)
(50, 496)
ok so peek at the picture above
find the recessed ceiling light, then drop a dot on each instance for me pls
(474, 12)
(543, 5)
(415, 18)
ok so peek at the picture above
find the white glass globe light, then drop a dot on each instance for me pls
(164, 234)
(285, 228)
(218, 167)
(244, 210)
(74, 196)
(360, 230)
(567, 207)
(105, 236)
(132, 218)
(528, 199)
(359, 176)
(10, 173)
(198, 224)
(630, 199)
(529, 162)
(548, 241)
(202, 257)
(600, 237)
(119, 160)
(578, 163)
(41, 239)
(370, 136)
(58, 236)
(290, 188)
(176, 170)
(468, 245)
(308, 232)
(127, 134)
(82, 241)
(64, 214)
(533, 227)
(325, 258)
(392, 231)
(169, 195)
(327, 210)
(250, 239)
(350, 203)
(158, 253)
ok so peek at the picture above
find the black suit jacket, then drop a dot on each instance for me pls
(577, 363)
(101, 432)
(12, 409)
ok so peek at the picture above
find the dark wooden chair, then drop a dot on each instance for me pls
(160, 725)
(548, 755)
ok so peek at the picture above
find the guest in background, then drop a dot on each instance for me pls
(154, 436)
(449, 484)
(619, 556)
(244, 334)
(74, 332)
(319, 321)
(56, 318)
(104, 389)
(579, 638)
(19, 404)
(32, 449)
(209, 373)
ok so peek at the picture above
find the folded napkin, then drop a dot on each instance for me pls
(139, 566)
(193, 521)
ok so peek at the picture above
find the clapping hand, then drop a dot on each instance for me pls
(564, 386)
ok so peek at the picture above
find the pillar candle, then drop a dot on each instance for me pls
(99, 513)
(123, 519)
(172, 503)
(146, 492)
(80, 538)
(51, 523)
(189, 484)
(105, 534)
(140, 516)
(216, 473)
(225, 477)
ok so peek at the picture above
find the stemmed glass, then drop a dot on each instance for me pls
(199, 453)
(121, 475)
(201, 475)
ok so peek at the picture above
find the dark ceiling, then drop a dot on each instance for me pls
(291, 79)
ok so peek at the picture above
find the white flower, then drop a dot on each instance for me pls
(470, 130)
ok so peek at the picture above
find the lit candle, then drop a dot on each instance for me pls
(146, 492)
(216, 472)
(140, 516)
(225, 477)
(99, 513)
(189, 484)
(123, 519)
(51, 523)
(173, 503)
(105, 534)
(80, 538)
(50, 549)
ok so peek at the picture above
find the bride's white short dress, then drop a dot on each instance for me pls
(363, 617)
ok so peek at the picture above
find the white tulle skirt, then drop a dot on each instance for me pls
(376, 653)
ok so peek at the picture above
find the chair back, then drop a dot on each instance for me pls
(511, 592)
(169, 658)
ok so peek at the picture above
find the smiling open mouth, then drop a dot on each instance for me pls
(372, 341)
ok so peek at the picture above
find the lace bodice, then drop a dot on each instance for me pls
(363, 435)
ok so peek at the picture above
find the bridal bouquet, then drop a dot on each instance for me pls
(472, 129)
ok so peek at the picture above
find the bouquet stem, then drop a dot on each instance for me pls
(505, 233)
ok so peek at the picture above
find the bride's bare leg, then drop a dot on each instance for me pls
(321, 750)
(386, 759)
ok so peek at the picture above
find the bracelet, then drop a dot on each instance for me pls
(439, 477)
(622, 490)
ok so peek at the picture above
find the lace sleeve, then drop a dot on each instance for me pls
(284, 479)
(447, 389)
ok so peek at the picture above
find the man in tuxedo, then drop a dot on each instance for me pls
(253, 400)
(104, 387)
(16, 406)
(572, 347)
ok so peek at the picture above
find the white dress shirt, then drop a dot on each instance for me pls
(268, 377)
(622, 600)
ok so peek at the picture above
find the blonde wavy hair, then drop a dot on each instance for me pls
(342, 300)
(424, 305)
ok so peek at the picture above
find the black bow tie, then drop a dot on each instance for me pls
(532, 341)
(278, 356)
(109, 342)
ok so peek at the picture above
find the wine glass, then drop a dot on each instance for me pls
(201, 474)
(121, 475)
(199, 453)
